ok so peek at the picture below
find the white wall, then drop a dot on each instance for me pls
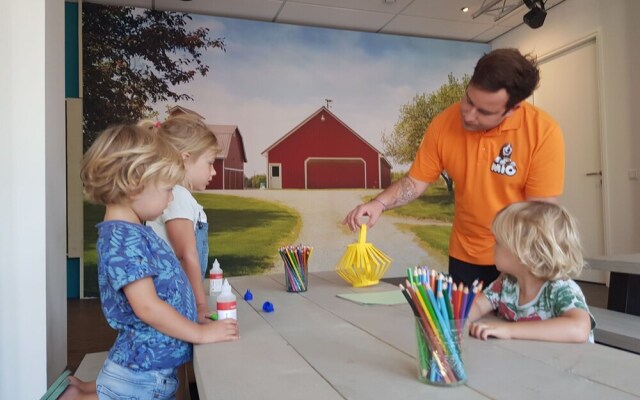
(618, 34)
(33, 317)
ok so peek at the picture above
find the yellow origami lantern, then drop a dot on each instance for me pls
(362, 264)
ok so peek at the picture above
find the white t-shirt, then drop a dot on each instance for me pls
(183, 205)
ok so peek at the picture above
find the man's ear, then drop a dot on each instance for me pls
(512, 109)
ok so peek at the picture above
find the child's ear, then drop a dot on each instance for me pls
(185, 156)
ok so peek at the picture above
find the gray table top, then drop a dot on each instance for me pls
(624, 263)
(316, 345)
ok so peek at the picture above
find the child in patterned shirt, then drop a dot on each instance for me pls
(144, 292)
(537, 251)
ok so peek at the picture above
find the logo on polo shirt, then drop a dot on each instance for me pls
(503, 164)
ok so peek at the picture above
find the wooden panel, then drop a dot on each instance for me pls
(617, 329)
(75, 232)
(624, 263)
(261, 365)
(356, 363)
(489, 362)
(366, 352)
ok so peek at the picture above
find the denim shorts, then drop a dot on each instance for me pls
(116, 382)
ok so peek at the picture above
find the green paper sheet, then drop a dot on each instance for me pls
(387, 298)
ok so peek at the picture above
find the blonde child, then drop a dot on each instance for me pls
(144, 292)
(184, 223)
(537, 251)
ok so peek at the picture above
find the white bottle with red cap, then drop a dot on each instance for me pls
(215, 278)
(226, 303)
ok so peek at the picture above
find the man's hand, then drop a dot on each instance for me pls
(372, 209)
(401, 192)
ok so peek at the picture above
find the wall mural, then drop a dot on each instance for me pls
(304, 107)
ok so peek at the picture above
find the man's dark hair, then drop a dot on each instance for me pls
(507, 69)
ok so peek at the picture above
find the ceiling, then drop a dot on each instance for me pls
(423, 18)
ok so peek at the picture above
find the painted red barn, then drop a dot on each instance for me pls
(323, 152)
(230, 160)
(229, 164)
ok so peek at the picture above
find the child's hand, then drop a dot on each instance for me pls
(484, 330)
(220, 331)
(203, 314)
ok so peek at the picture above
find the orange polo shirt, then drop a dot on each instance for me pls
(522, 157)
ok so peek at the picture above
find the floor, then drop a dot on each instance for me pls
(596, 294)
(88, 331)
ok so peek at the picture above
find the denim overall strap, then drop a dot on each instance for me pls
(202, 245)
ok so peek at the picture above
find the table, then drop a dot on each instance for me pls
(318, 346)
(624, 280)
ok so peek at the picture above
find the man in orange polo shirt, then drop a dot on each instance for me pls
(497, 148)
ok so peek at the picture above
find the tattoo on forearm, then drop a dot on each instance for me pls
(406, 192)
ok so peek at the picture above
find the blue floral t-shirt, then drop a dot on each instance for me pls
(128, 252)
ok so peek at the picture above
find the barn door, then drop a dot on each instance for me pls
(275, 176)
(569, 92)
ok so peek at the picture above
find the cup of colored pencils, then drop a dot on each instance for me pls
(296, 266)
(441, 308)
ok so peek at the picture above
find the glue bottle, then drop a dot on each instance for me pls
(226, 303)
(215, 278)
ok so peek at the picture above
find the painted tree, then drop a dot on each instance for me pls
(133, 58)
(402, 144)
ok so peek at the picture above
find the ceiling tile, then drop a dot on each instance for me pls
(125, 3)
(332, 17)
(264, 10)
(491, 33)
(448, 10)
(363, 5)
(424, 18)
(437, 28)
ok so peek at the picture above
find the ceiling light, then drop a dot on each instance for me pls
(464, 9)
(534, 18)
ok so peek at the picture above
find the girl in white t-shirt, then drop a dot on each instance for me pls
(184, 223)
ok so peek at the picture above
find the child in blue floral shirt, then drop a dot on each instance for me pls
(144, 291)
(537, 251)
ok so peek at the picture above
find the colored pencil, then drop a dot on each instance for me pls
(441, 308)
(296, 266)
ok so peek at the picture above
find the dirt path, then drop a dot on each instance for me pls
(322, 212)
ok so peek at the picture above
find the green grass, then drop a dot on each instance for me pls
(436, 203)
(434, 238)
(244, 235)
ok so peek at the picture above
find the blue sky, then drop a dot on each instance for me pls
(273, 76)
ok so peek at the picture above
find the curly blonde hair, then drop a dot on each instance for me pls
(125, 158)
(543, 236)
(188, 134)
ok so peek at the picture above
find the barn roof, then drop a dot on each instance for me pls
(184, 110)
(224, 134)
(310, 117)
